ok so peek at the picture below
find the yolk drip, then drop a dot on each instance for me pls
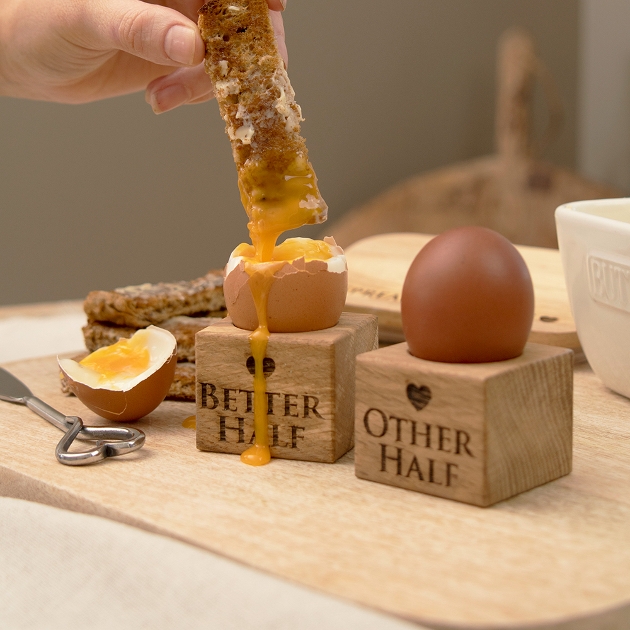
(126, 358)
(278, 201)
(275, 202)
(261, 279)
(190, 422)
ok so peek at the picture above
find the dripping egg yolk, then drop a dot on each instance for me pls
(300, 287)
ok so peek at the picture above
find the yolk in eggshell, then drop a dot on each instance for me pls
(127, 358)
(290, 250)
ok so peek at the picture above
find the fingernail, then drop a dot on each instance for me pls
(169, 98)
(179, 44)
(283, 3)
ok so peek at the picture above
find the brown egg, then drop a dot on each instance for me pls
(467, 298)
(304, 296)
(122, 394)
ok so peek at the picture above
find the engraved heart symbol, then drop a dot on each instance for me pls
(419, 397)
(269, 365)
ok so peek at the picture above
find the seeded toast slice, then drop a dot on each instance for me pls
(257, 103)
(145, 304)
(183, 385)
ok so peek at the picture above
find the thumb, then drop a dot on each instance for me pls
(155, 33)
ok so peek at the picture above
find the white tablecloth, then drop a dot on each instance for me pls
(60, 569)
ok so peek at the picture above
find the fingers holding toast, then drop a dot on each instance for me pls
(189, 86)
(262, 118)
(185, 86)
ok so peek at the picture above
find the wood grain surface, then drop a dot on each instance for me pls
(310, 388)
(555, 557)
(377, 266)
(477, 432)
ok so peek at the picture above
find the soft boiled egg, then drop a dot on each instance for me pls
(308, 291)
(468, 297)
(127, 380)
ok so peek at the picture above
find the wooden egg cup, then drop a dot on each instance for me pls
(310, 388)
(476, 433)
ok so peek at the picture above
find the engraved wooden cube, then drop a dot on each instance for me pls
(310, 381)
(476, 433)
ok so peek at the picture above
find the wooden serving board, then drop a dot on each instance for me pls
(377, 267)
(554, 557)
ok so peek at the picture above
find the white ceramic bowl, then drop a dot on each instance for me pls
(594, 240)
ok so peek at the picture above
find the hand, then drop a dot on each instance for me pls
(193, 85)
(77, 51)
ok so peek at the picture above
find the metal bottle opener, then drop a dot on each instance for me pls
(110, 441)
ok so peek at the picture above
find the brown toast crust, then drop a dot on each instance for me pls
(142, 305)
(183, 385)
(248, 75)
(101, 334)
(258, 105)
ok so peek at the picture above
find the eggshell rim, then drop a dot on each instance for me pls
(74, 374)
(337, 263)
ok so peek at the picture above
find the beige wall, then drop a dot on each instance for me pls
(107, 194)
(604, 91)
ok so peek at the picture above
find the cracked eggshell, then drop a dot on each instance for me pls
(304, 296)
(131, 398)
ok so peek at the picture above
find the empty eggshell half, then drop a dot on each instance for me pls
(305, 295)
(123, 397)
